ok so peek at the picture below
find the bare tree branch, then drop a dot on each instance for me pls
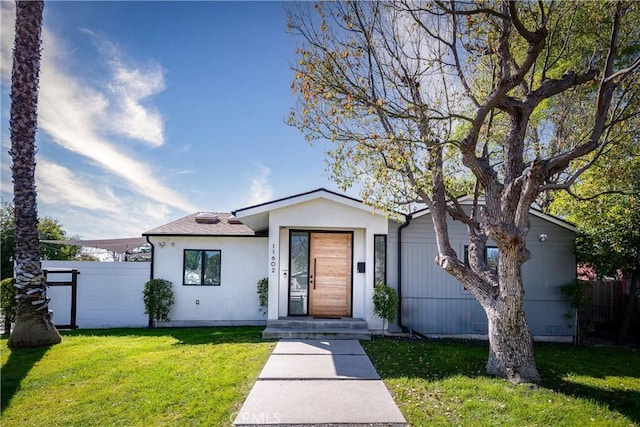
(531, 37)
(605, 92)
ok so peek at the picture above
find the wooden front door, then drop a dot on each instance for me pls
(330, 267)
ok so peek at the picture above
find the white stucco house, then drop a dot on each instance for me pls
(322, 253)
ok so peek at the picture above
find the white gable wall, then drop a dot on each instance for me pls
(235, 301)
(324, 215)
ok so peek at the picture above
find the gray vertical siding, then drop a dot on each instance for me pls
(434, 303)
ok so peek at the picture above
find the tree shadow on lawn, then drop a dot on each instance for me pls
(626, 402)
(15, 370)
(563, 366)
(183, 336)
(435, 360)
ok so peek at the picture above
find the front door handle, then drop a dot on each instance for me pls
(314, 272)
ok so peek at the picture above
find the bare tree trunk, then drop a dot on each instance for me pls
(33, 325)
(510, 342)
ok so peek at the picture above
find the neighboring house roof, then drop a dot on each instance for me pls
(208, 224)
(257, 216)
(466, 200)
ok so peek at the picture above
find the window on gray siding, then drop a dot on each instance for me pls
(202, 267)
(491, 254)
(380, 258)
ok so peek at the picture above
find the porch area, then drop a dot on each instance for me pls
(345, 328)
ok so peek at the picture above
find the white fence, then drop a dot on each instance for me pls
(108, 294)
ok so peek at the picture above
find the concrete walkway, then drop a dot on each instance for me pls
(319, 383)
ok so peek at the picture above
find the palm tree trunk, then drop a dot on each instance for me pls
(33, 325)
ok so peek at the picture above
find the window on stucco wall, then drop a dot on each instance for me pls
(202, 267)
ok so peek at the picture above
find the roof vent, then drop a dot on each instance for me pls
(233, 220)
(207, 218)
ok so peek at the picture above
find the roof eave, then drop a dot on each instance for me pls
(533, 211)
(257, 234)
(257, 216)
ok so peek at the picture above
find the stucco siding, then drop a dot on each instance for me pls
(325, 215)
(234, 301)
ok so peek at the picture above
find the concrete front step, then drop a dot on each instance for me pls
(315, 334)
(309, 328)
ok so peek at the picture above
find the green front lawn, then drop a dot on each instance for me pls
(133, 377)
(200, 376)
(438, 382)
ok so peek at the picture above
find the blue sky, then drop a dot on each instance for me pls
(149, 111)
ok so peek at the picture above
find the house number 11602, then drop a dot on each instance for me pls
(273, 258)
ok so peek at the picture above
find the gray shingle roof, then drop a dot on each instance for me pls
(188, 226)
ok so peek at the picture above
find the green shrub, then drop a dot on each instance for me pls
(158, 299)
(263, 294)
(385, 302)
(8, 302)
(575, 293)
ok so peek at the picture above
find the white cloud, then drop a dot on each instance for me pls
(80, 118)
(132, 221)
(116, 195)
(7, 24)
(90, 209)
(6, 187)
(261, 190)
(130, 87)
(71, 123)
(56, 183)
(185, 172)
(154, 214)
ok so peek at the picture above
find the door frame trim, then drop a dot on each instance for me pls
(311, 231)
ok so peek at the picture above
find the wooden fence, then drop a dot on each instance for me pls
(603, 317)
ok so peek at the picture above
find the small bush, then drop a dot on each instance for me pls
(8, 302)
(575, 293)
(385, 302)
(158, 299)
(263, 294)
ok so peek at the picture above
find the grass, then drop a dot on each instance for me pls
(200, 376)
(437, 382)
(133, 377)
